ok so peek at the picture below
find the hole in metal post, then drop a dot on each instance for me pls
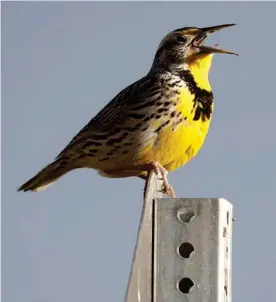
(185, 285)
(186, 249)
(185, 215)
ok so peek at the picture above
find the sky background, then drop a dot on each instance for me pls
(61, 63)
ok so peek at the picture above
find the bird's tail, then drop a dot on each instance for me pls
(46, 176)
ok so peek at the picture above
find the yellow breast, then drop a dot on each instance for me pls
(177, 144)
(174, 145)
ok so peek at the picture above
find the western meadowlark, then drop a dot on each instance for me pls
(157, 123)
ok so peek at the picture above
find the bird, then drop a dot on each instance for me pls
(158, 123)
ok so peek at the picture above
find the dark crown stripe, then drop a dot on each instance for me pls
(184, 28)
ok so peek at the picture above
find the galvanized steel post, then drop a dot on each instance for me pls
(183, 250)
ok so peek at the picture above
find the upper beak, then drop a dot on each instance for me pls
(206, 31)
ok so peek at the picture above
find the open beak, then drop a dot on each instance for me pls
(204, 33)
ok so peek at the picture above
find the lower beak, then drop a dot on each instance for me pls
(209, 49)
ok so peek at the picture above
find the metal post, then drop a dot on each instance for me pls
(183, 250)
(140, 287)
(192, 245)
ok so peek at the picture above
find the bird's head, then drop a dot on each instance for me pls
(185, 46)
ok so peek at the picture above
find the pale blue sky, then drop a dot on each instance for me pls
(61, 63)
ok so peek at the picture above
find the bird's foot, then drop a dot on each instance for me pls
(166, 187)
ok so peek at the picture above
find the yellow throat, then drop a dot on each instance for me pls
(200, 67)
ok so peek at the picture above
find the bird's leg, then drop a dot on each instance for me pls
(156, 167)
(166, 188)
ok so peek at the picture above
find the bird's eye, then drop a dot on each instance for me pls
(181, 39)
